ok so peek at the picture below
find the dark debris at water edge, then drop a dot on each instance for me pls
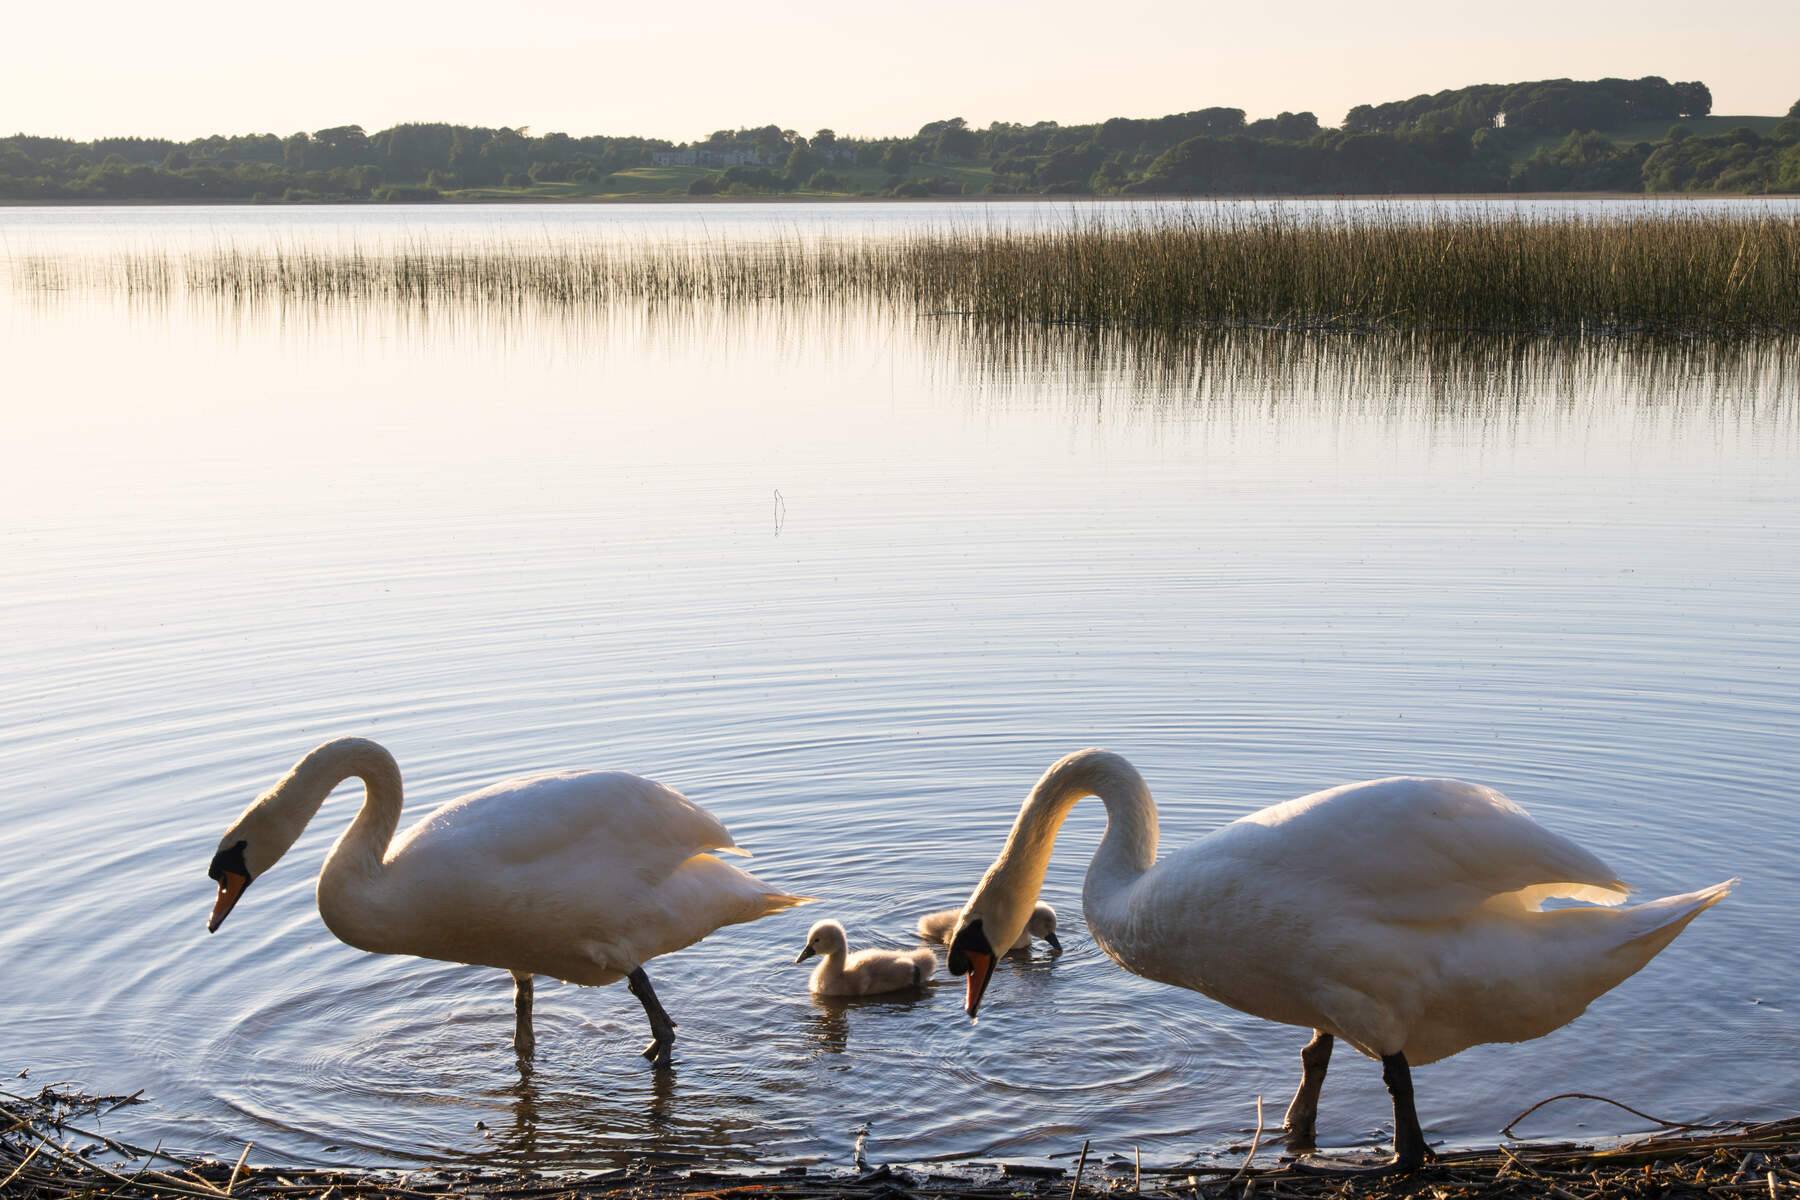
(40, 1161)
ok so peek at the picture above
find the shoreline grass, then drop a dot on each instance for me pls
(1690, 274)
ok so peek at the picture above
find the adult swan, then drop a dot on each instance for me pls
(580, 875)
(1401, 915)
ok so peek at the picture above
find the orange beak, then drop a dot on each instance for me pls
(231, 886)
(981, 969)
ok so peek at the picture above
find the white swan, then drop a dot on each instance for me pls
(580, 875)
(865, 973)
(1401, 915)
(941, 926)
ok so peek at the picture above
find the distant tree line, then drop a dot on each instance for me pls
(410, 162)
(1548, 106)
(1471, 139)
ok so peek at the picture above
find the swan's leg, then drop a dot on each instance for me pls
(662, 1030)
(523, 1040)
(1410, 1150)
(1303, 1112)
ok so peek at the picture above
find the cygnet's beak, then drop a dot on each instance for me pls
(805, 954)
(231, 886)
(1050, 937)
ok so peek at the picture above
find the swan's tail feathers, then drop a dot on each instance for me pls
(774, 902)
(1662, 919)
(1652, 925)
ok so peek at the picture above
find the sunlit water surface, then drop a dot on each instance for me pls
(851, 580)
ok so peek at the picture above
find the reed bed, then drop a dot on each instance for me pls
(1686, 273)
(49, 1150)
(1681, 274)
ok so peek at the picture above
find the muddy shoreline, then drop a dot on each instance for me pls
(49, 1150)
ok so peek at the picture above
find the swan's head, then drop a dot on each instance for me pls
(253, 844)
(1042, 925)
(972, 954)
(827, 938)
(997, 913)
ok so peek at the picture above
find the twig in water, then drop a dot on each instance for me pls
(1254, 1142)
(1137, 1170)
(1082, 1162)
(131, 1099)
(232, 1182)
(1507, 1130)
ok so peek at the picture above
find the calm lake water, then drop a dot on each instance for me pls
(851, 580)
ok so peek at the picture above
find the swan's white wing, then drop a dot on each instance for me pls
(574, 814)
(1420, 849)
(580, 875)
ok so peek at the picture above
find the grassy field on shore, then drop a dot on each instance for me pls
(1686, 274)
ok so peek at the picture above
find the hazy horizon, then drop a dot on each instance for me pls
(112, 69)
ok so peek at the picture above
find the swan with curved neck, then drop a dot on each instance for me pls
(580, 875)
(1402, 915)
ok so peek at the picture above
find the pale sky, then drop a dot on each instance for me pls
(679, 70)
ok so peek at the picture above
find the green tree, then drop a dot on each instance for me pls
(341, 146)
(897, 158)
(801, 162)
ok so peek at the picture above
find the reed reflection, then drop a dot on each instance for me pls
(1490, 380)
(1131, 374)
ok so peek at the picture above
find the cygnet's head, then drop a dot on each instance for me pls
(1043, 925)
(825, 937)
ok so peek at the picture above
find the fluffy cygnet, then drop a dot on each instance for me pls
(865, 973)
(941, 926)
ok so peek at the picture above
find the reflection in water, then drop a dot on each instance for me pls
(564, 1125)
(1489, 382)
(522, 1139)
(829, 1021)
(1256, 562)
(828, 1032)
(1137, 375)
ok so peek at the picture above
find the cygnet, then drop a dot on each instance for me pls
(865, 973)
(941, 926)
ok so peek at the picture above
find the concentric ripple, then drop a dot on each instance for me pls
(852, 584)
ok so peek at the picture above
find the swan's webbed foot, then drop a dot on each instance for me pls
(662, 1029)
(658, 1052)
(1410, 1151)
(524, 1041)
(1398, 1165)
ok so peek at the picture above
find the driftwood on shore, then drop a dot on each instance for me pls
(39, 1161)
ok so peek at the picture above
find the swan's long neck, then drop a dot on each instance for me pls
(291, 803)
(1006, 895)
(346, 893)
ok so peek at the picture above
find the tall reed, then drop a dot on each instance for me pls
(1689, 273)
